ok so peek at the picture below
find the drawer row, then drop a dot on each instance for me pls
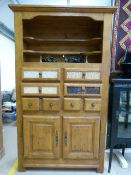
(54, 104)
(70, 74)
(55, 90)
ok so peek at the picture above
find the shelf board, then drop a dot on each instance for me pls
(34, 52)
(39, 40)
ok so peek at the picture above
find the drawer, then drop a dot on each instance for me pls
(92, 104)
(82, 89)
(30, 104)
(81, 74)
(72, 104)
(41, 74)
(51, 104)
(40, 89)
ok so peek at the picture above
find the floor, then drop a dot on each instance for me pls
(10, 158)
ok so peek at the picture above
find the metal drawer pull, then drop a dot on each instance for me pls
(72, 105)
(29, 104)
(83, 75)
(83, 89)
(57, 137)
(40, 90)
(51, 105)
(40, 74)
(65, 138)
(93, 105)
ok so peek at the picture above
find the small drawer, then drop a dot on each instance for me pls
(72, 104)
(51, 104)
(82, 74)
(40, 89)
(41, 74)
(82, 89)
(92, 104)
(30, 104)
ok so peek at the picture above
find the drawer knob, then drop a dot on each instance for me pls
(72, 105)
(83, 74)
(93, 105)
(51, 105)
(29, 104)
(40, 74)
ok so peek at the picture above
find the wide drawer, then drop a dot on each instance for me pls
(30, 104)
(81, 74)
(92, 104)
(41, 74)
(72, 104)
(51, 104)
(40, 89)
(82, 89)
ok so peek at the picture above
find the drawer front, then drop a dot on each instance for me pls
(51, 104)
(41, 74)
(46, 89)
(82, 89)
(92, 104)
(72, 104)
(30, 104)
(81, 74)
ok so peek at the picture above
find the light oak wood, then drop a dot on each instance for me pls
(41, 137)
(72, 104)
(64, 127)
(51, 104)
(81, 138)
(91, 104)
(30, 104)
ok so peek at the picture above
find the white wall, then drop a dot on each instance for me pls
(7, 59)
(6, 15)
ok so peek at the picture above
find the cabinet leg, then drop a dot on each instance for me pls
(100, 170)
(21, 168)
(110, 159)
(123, 150)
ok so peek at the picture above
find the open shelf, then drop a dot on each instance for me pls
(32, 40)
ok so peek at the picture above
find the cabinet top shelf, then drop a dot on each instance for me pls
(77, 9)
(42, 40)
(32, 52)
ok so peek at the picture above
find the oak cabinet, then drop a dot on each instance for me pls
(62, 70)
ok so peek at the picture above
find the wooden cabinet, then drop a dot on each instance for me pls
(62, 70)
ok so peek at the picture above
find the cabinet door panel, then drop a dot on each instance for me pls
(81, 138)
(41, 137)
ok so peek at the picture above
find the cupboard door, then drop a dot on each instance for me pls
(41, 137)
(81, 138)
(51, 104)
(40, 74)
(72, 104)
(30, 104)
(81, 74)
